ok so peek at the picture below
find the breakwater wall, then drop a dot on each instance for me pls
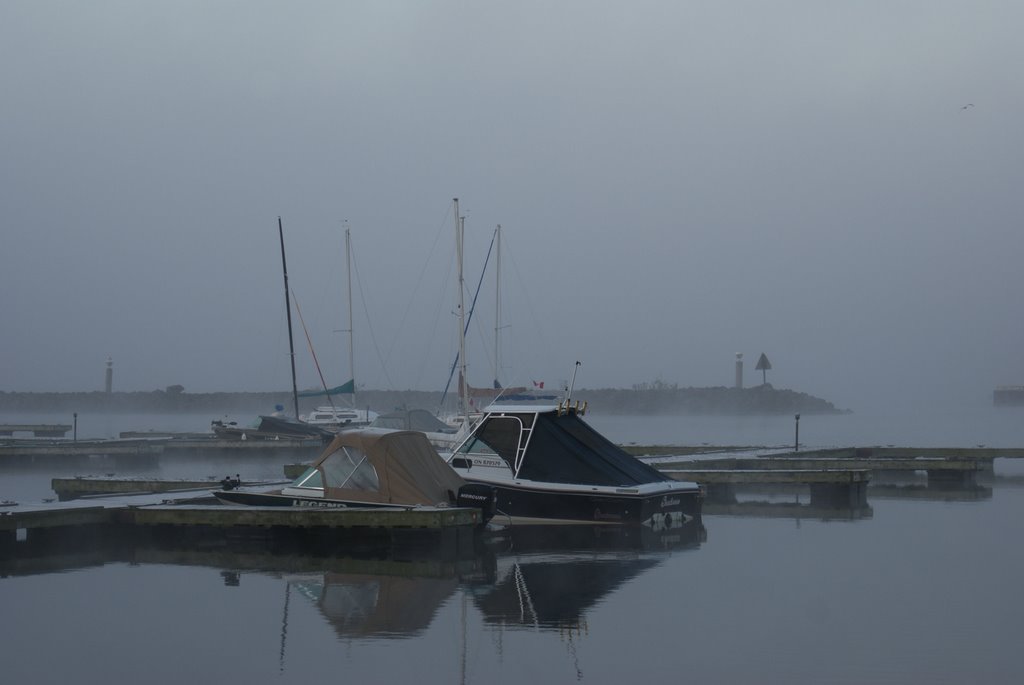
(662, 400)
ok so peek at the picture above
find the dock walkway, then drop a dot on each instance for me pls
(952, 471)
(27, 452)
(144, 452)
(836, 477)
(75, 488)
(829, 487)
(39, 430)
(189, 515)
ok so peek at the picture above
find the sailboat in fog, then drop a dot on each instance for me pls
(330, 416)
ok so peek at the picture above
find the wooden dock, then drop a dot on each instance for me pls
(836, 488)
(68, 489)
(290, 448)
(82, 452)
(838, 477)
(138, 452)
(39, 430)
(944, 471)
(980, 453)
(178, 516)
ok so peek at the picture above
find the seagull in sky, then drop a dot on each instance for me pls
(969, 104)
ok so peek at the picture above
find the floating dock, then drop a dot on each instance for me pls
(945, 471)
(68, 489)
(79, 452)
(286, 448)
(39, 430)
(838, 478)
(187, 515)
(836, 488)
(141, 452)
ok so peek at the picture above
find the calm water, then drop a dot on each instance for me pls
(921, 591)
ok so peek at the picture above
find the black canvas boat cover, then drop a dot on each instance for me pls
(565, 449)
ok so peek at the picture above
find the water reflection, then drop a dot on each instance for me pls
(548, 577)
(378, 605)
(787, 510)
(969, 493)
(544, 577)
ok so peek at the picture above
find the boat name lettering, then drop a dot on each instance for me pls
(493, 463)
(318, 505)
(669, 501)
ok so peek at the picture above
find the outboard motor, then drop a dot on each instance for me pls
(480, 496)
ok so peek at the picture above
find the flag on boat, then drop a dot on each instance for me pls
(538, 385)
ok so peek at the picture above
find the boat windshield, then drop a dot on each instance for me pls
(349, 468)
(498, 435)
(310, 478)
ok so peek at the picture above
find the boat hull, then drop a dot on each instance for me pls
(523, 503)
(273, 499)
(469, 496)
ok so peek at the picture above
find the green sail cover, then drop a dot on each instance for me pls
(343, 389)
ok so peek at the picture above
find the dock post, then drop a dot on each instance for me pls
(796, 440)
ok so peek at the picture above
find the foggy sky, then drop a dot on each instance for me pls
(676, 182)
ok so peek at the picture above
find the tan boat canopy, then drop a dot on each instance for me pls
(385, 466)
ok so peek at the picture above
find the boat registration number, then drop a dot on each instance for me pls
(491, 463)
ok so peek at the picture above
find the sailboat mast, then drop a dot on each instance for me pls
(460, 229)
(497, 307)
(351, 344)
(288, 309)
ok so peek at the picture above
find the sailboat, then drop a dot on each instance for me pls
(549, 466)
(465, 416)
(472, 399)
(330, 416)
(273, 426)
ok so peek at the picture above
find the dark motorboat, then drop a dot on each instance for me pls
(548, 465)
(373, 467)
(271, 427)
